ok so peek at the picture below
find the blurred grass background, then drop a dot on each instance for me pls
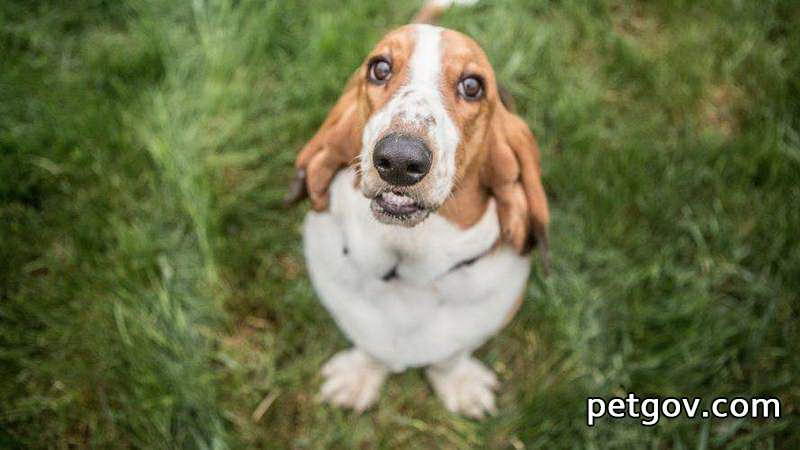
(153, 291)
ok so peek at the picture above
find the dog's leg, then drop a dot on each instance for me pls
(353, 380)
(464, 385)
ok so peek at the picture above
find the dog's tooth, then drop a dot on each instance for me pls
(399, 200)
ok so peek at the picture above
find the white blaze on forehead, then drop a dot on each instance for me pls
(426, 61)
(419, 103)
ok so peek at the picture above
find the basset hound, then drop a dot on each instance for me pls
(426, 199)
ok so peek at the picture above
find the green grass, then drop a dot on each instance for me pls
(153, 292)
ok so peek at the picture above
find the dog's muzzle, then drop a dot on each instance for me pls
(402, 160)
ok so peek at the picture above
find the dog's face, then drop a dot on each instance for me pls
(423, 120)
(428, 95)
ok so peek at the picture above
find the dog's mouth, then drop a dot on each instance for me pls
(396, 208)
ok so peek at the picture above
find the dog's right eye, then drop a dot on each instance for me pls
(380, 70)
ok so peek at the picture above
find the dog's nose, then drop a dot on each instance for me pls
(401, 159)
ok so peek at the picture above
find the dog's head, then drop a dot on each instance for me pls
(421, 117)
(431, 93)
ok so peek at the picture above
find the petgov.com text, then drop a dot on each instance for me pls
(652, 410)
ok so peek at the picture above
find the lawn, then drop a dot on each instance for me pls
(152, 287)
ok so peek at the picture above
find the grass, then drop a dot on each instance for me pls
(153, 291)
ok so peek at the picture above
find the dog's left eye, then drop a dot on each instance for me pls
(470, 88)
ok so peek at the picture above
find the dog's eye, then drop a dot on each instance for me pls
(470, 88)
(380, 70)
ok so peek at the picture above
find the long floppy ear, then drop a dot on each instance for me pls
(335, 145)
(513, 175)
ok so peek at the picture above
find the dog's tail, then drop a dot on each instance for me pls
(432, 10)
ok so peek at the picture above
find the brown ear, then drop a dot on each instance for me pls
(335, 145)
(512, 173)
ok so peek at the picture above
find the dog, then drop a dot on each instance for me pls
(426, 199)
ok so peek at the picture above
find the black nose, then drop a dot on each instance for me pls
(401, 159)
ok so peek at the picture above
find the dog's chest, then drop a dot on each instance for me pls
(404, 294)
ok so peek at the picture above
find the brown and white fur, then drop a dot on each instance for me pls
(428, 285)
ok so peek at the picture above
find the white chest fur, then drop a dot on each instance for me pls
(429, 311)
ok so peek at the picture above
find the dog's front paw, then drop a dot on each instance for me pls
(465, 386)
(352, 380)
